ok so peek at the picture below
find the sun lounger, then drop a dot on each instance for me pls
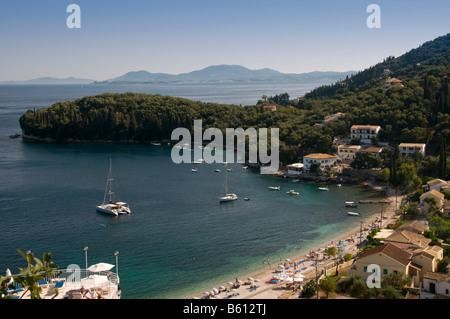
(59, 284)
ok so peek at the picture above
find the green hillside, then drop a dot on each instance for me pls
(418, 111)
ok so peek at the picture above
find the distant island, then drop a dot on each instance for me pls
(50, 81)
(226, 73)
(211, 74)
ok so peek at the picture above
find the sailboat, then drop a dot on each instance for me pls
(229, 197)
(112, 208)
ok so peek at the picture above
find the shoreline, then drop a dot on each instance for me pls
(275, 291)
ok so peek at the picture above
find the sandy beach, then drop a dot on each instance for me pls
(304, 264)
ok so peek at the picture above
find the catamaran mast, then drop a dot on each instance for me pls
(108, 188)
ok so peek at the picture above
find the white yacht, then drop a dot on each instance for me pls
(113, 207)
(228, 197)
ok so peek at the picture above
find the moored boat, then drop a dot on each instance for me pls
(275, 188)
(114, 208)
(353, 214)
(350, 204)
(292, 192)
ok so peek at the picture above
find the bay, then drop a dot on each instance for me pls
(179, 239)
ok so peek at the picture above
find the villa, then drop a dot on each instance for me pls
(407, 149)
(348, 152)
(269, 108)
(325, 160)
(434, 194)
(391, 259)
(413, 261)
(364, 132)
(437, 184)
(392, 82)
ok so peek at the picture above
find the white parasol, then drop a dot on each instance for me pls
(100, 267)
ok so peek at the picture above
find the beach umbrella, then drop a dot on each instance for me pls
(222, 287)
(8, 274)
(100, 267)
(299, 276)
(250, 279)
(298, 279)
(256, 280)
(239, 281)
(230, 283)
(215, 290)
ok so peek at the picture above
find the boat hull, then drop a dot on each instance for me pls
(228, 198)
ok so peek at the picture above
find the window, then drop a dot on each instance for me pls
(385, 271)
(365, 268)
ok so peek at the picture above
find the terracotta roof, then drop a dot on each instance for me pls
(416, 226)
(392, 251)
(438, 276)
(409, 237)
(320, 156)
(412, 144)
(436, 181)
(356, 127)
(434, 193)
(425, 254)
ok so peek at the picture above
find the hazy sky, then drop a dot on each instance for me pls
(178, 36)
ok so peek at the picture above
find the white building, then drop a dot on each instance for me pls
(295, 169)
(325, 160)
(407, 149)
(437, 184)
(348, 152)
(364, 132)
(435, 286)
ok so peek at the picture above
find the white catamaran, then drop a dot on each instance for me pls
(113, 207)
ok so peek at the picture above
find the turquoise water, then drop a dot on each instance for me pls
(179, 239)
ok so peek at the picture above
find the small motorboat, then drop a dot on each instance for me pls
(353, 214)
(350, 204)
(217, 170)
(229, 169)
(275, 188)
(292, 192)
(247, 198)
(194, 170)
(323, 189)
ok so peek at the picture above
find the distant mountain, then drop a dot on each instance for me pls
(225, 73)
(49, 80)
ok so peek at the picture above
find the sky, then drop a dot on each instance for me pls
(179, 36)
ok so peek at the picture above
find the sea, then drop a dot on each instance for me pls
(179, 240)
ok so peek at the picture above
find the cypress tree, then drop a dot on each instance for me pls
(443, 159)
(394, 162)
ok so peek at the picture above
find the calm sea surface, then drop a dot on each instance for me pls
(179, 239)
